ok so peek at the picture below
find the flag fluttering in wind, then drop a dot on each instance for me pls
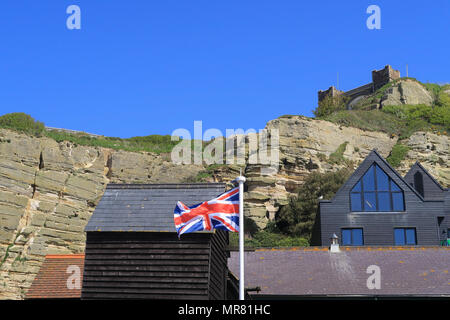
(221, 212)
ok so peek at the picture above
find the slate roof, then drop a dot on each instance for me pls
(315, 271)
(147, 207)
(51, 280)
(311, 271)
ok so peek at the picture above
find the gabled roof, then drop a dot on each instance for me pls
(418, 167)
(147, 207)
(315, 271)
(51, 280)
(374, 156)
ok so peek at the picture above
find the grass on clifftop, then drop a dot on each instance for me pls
(396, 120)
(24, 123)
(153, 143)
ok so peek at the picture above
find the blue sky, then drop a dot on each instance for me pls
(149, 67)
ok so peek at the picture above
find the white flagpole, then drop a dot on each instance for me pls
(241, 181)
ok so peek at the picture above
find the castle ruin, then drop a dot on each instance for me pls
(379, 79)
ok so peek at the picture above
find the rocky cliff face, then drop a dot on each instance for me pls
(406, 92)
(398, 92)
(48, 190)
(433, 152)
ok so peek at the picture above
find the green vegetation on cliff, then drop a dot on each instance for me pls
(269, 239)
(337, 157)
(152, 143)
(24, 123)
(396, 120)
(330, 105)
(400, 120)
(298, 216)
(398, 153)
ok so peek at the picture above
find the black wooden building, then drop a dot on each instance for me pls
(377, 206)
(133, 251)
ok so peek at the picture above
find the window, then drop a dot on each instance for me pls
(352, 237)
(418, 183)
(405, 236)
(376, 192)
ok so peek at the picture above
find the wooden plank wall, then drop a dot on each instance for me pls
(218, 266)
(152, 265)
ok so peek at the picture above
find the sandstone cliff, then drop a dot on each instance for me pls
(48, 190)
(406, 92)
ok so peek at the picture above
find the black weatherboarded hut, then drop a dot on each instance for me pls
(133, 251)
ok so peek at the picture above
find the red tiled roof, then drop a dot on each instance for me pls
(51, 280)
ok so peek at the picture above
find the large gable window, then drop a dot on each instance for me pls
(375, 191)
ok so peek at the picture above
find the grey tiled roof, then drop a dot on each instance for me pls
(147, 207)
(316, 271)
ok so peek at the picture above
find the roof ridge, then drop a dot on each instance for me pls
(164, 185)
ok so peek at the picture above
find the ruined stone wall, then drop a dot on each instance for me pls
(384, 76)
(379, 79)
(331, 91)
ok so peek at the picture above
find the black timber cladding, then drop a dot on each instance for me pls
(421, 213)
(150, 262)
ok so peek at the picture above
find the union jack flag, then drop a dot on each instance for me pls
(221, 212)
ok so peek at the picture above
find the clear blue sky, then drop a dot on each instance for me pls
(149, 67)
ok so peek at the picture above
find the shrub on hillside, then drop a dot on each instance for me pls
(416, 116)
(398, 153)
(330, 104)
(298, 216)
(373, 120)
(337, 157)
(269, 239)
(22, 122)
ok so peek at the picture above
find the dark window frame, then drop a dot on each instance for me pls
(374, 167)
(418, 183)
